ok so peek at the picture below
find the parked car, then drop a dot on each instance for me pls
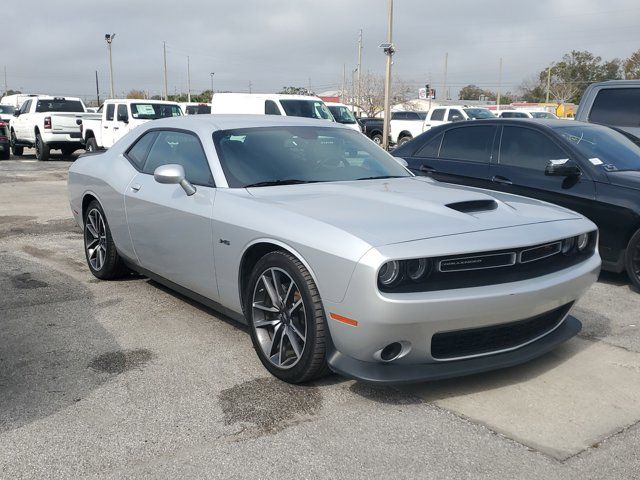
(343, 114)
(48, 123)
(118, 117)
(331, 251)
(270, 104)
(591, 169)
(454, 113)
(404, 126)
(195, 108)
(615, 103)
(5, 144)
(6, 113)
(373, 128)
(513, 114)
(16, 100)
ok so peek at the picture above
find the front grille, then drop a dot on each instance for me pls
(486, 340)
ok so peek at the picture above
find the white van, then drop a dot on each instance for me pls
(343, 114)
(270, 104)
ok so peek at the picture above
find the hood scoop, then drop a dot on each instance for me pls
(473, 206)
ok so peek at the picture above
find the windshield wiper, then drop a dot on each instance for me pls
(271, 183)
(381, 177)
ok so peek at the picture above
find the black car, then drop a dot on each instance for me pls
(373, 128)
(5, 146)
(592, 169)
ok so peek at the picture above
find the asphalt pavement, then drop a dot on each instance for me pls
(127, 379)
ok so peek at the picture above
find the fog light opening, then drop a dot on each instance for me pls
(391, 352)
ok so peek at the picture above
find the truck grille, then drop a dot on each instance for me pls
(487, 340)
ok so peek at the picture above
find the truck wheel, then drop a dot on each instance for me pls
(42, 149)
(404, 140)
(377, 138)
(632, 260)
(92, 145)
(17, 151)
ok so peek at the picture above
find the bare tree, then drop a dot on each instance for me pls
(371, 100)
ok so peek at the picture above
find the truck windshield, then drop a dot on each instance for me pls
(59, 105)
(342, 114)
(153, 111)
(306, 108)
(604, 147)
(7, 109)
(478, 113)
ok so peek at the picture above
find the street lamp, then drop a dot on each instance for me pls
(109, 38)
(212, 74)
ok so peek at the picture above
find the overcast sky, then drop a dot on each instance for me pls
(55, 47)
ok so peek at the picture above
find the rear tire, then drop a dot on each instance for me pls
(377, 138)
(290, 335)
(91, 145)
(404, 140)
(100, 250)
(632, 259)
(42, 149)
(16, 150)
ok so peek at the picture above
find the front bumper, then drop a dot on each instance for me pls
(390, 373)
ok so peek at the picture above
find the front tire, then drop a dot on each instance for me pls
(632, 259)
(102, 257)
(377, 138)
(286, 318)
(42, 149)
(92, 145)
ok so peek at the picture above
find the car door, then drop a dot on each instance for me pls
(171, 232)
(455, 115)
(18, 123)
(460, 154)
(120, 126)
(107, 125)
(436, 118)
(520, 166)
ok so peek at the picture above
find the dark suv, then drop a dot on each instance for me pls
(591, 169)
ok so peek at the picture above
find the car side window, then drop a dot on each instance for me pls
(455, 115)
(399, 116)
(25, 107)
(438, 114)
(527, 148)
(182, 148)
(270, 108)
(122, 112)
(412, 116)
(110, 110)
(472, 143)
(137, 153)
(430, 148)
(617, 106)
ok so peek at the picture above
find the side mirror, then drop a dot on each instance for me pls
(173, 174)
(562, 168)
(123, 118)
(16, 113)
(402, 161)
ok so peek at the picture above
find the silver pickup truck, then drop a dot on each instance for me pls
(48, 123)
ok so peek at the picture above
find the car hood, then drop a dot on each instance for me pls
(383, 212)
(626, 178)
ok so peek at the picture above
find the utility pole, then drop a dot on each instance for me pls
(212, 74)
(499, 86)
(250, 86)
(109, 38)
(344, 81)
(6, 87)
(166, 87)
(359, 93)
(97, 89)
(548, 82)
(188, 80)
(353, 90)
(446, 66)
(309, 90)
(388, 50)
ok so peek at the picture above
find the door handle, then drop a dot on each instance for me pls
(105, 127)
(427, 169)
(501, 180)
(135, 187)
(116, 128)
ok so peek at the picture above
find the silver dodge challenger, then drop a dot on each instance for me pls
(330, 250)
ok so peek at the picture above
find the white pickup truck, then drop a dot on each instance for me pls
(48, 123)
(405, 126)
(115, 118)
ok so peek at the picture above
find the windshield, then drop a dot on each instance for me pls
(342, 114)
(59, 105)
(306, 108)
(542, 115)
(274, 155)
(604, 147)
(153, 111)
(479, 113)
(7, 109)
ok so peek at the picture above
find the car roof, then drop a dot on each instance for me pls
(139, 100)
(231, 121)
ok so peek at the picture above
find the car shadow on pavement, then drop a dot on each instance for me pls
(617, 279)
(49, 337)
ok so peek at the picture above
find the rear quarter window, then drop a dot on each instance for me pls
(617, 106)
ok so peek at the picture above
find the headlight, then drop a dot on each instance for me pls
(418, 268)
(568, 244)
(389, 274)
(582, 241)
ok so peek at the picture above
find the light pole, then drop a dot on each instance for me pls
(212, 74)
(109, 38)
(388, 50)
(548, 82)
